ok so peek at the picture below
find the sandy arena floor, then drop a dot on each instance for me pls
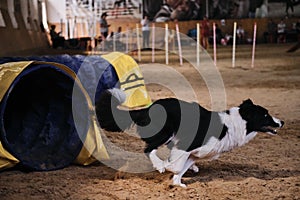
(266, 168)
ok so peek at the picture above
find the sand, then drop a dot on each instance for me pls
(268, 167)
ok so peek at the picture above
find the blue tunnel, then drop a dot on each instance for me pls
(36, 118)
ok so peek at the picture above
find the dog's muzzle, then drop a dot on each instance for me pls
(280, 123)
(272, 129)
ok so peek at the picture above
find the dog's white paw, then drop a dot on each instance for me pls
(194, 168)
(161, 170)
(181, 185)
(177, 181)
(157, 163)
(159, 167)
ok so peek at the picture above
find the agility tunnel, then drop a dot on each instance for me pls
(40, 125)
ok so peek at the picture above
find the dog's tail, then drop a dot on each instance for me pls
(113, 119)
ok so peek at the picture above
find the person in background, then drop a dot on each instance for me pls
(146, 31)
(204, 32)
(118, 33)
(118, 37)
(289, 5)
(104, 29)
(104, 26)
(271, 34)
(240, 34)
(117, 5)
(297, 26)
(297, 45)
(164, 14)
(57, 40)
(281, 31)
(219, 34)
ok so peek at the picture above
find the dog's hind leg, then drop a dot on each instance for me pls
(177, 177)
(157, 163)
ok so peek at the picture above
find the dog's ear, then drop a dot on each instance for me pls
(246, 109)
(247, 102)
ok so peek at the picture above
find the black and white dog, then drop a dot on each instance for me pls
(189, 130)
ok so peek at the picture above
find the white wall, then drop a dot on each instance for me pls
(24, 8)
(2, 22)
(11, 11)
(56, 11)
(17, 38)
(34, 12)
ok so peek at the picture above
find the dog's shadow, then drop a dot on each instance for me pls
(232, 171)
(209, 171)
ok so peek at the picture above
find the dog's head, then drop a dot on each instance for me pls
(258, 118)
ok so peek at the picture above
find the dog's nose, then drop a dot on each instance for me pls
(282, 123)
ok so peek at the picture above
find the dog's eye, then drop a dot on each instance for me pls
(266, 115)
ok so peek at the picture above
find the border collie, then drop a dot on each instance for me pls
(189, 130)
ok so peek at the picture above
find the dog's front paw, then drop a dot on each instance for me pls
(159, 166)
(157, 163)
(177, 181)
(180, 185)
(194, 168)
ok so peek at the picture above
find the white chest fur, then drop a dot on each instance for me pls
(235, 136)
